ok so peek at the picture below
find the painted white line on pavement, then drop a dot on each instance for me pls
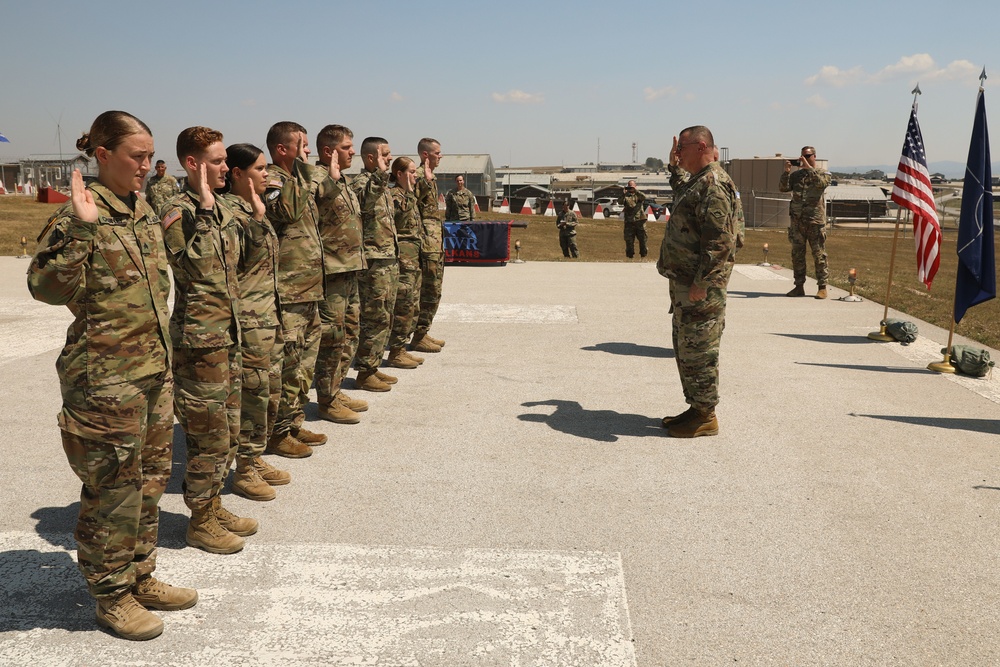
(505, 313)
(755, 272)
(331, 604)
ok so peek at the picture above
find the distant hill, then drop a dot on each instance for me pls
(949, 168)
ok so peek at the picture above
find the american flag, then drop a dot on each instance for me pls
(912, 190)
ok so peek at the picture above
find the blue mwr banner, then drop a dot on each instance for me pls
(477, 242)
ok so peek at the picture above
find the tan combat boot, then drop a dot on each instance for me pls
(677, 419)
(269, 473)
(205, 532)
(398, 359)
(701, 422)
(436, 341)
(385, 377)
(821, 293)
(370, 382)
(152, 593)
(338, 413)
(414, 357)
(307, 437)
(355, 404)
(285, 444)
(797, 291)
(127, 618)
(248, 483)
(237, 525)
(425, 345)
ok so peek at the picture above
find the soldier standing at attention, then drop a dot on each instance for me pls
(632, 201)
(377, 283)
(566, 222)
(409, 236)
(292, 211)
(808, 213)
(102, 256)
(697, 255)
(460, 203)
(431, 246)
(202, 241)
(340, 311)
(260, 328)
(160, 187)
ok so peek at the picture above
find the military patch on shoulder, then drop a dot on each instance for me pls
(272, 195)
(274, 182)
(170, 218)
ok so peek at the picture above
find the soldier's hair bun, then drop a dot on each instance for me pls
(83, 143)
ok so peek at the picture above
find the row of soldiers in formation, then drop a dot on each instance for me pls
(284, 273)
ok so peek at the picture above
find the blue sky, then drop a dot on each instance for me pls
(531, 83)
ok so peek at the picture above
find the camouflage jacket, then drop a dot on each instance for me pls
(112, 275)
(258, 284)
(807, 186)
(371, 188)
(699, 246)
(460, 205)
(339, 223)
(160, 190)
(291, 208)
(633, 206)
(566, 222)
(409, 229)
(432, 244)
(204, 252)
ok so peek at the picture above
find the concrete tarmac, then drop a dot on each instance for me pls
(514, 501)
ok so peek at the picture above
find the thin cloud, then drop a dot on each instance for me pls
(395, 97)
(817, 101)
(957, 70)
(650, 94)
(689, 97)
(832, 75)
(917, 66)
(515, 96)
(249, 103)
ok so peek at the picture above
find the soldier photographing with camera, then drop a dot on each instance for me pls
(807, 210)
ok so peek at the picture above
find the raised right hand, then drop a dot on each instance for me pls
(83, 201)
(205, 193)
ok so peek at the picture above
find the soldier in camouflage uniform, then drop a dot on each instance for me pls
(633, 201)
(409, 233)
(160, 187)
(291, 208)
(807, 210)
(261, 345)
(202, 241)
(566, 222)
(343, 261)
(460, 203)
(431, 246)
(377, 283)
(102, 256)
(697, 255)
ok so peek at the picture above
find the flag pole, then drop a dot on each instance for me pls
(881, 335)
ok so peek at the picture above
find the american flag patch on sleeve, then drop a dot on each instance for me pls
(170, 218)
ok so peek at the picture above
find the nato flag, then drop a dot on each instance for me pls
(976, 281)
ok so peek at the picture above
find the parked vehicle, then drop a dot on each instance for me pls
(609, 205)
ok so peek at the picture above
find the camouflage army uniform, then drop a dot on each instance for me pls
(409, 233)
(377, 283)
(260, 328)
(699, 248)
(159, 190)
(117, 413)
(431, 253)
(340, 231)
(291, 208)
(635, 222)
(566, 222)
(460, 205)
(203, 248)
(808, 213)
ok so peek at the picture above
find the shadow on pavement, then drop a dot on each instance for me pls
(877, 369)
(56, 526)
(991, 426)
(601, 425)
(632, 350)
(743, 294)
(829, 338)
(43, 590)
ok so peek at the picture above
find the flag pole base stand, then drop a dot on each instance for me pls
(881, 335)
(852, 298)
(764, 264)
(942, 366)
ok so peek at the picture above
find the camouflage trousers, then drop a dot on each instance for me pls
(341, 320)
(568, 244)
(207, 406)
(262, 352)
(118, 440)
(404, 314)
(301, 331)
(799, 233)
(377, 290)
(697, 332)
(634, 231)
(431, 281)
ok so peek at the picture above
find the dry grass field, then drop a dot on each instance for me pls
(601, 241)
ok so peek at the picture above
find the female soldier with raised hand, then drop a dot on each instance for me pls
(406, 216)
(102, 256)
